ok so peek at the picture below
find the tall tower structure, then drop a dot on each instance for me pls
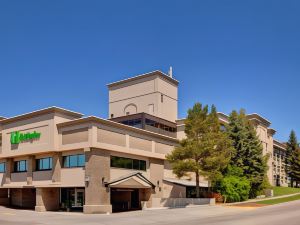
(154, 93)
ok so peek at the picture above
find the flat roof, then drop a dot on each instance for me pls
(51, 109)
(115, 124)
(150, 74)
(253, 116)
(140, 115)
(259, 117)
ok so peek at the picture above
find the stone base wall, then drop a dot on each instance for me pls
(180, 202)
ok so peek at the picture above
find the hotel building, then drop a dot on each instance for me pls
(54, 158)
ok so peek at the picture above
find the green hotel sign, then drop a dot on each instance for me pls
(17, 137)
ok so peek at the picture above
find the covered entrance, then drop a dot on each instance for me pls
(124, 199)
(128, 192)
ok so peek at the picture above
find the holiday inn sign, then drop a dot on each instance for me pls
(17, 137)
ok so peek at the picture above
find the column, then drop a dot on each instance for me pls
(97, 171)
(56, 167)
(9, 169)
(30, 169)
(156, 177)
(47, 199)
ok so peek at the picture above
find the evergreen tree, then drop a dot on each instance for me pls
(248, 153)
(205, 151)
(293, 159)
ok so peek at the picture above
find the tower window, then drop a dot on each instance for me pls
(162, 98)
(111, 115)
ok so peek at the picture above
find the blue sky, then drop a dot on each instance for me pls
(234, 54)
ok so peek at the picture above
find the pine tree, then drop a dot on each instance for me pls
(206, 149)
(248, 153)
(293, 159)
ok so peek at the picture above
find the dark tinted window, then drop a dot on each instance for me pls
(2, 167)
(44, 164)
(127, 163)
(159, 125)
(134, 123)
(20, 166)
(74, 161)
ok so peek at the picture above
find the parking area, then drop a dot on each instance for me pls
(10, 216)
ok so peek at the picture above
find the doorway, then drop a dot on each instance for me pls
(72, 199)
(124, 199)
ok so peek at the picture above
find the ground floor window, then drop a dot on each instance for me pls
(191, 192)
(72, 198)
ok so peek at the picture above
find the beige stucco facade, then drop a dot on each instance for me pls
(65, 133)
(154, 93)
(99, 165)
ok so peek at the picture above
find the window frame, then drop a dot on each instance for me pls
(37, 167)
(77, 161)
(17, 167)
(4, 167)
(142, 164)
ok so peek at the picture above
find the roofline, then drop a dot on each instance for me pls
(51, 109)
(155, 72)
(279, 144)
(142, 113)
(116, 124)
(264, 120)
(137, 174)
(255, 116)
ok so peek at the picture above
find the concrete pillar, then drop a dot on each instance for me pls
(9, 169)
(56, 167)
(30, 169)
(97, 171)
(47, 199)
(156, 177)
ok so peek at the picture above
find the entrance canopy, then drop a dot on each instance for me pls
(132, 180)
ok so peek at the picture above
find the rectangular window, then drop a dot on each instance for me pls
(134, 123)
(44, 164)
(127, 163)
(2, 168)
(20, 166)
(72, 161)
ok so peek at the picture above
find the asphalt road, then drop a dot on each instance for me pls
(287, 213)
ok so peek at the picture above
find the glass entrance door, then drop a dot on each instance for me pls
(79, 197)
(72, 198)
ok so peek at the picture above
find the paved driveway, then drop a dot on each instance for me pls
(288, 213)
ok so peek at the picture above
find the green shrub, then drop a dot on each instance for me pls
(234, 188)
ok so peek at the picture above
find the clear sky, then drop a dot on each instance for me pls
(234, 54)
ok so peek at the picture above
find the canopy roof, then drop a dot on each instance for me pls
(132, 180)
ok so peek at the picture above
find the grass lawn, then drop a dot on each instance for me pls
(278, 191)
(279, 200)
